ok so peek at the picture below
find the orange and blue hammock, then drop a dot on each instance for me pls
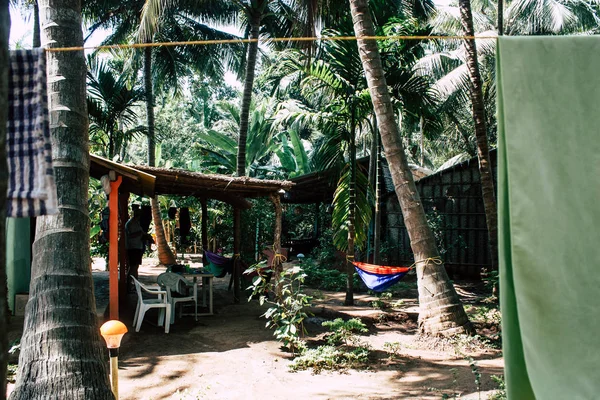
(379, 277)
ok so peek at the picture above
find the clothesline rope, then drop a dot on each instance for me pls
(269, 40)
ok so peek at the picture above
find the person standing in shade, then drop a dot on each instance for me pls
(134, 244)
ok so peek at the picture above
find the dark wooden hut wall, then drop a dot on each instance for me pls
(453, 198)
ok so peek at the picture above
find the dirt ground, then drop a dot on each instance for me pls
(231, 355)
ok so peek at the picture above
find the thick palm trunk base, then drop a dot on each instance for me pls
(62, 354)
(165, 255)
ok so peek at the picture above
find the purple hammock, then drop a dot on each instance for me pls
(218, 265)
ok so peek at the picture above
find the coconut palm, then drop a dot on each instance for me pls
(485, 167)
(61, 350)
(334, 83)
(165, 66)
(441, 309)
(110, 101)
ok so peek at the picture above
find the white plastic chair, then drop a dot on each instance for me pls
(177, 288)
(144, 305)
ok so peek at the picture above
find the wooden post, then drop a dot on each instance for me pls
(316, 227)
(277, 258)
(124, 216)
(237, 265)
(204, 225)
(113, 249)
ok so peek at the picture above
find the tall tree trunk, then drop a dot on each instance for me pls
(421, 142)
(500, 17)
(255, 19)
(379, 184)
(372, 184)
(165, 255)
(4, 32)
(37, 42)
(149, 106)
(441, 312)
(349, 301)
(62, 354)
(485, 166)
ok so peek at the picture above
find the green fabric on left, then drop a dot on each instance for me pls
(549, 215)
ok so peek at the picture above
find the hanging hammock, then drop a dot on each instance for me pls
(379, 277)
(218, 265)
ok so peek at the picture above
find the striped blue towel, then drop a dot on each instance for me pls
(31, 187)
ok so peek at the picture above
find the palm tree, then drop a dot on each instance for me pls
(485, 167)
(110, 108)
(334, 83)
(61, 350)
(35, 9)
(162, 23)
(4, 32)
(254, 11)
(441, 311)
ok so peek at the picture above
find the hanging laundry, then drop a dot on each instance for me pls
(31, 187)
(548, 167)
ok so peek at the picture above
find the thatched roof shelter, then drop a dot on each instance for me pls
(149, 181)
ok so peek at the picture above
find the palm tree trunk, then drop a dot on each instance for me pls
(62, 354)
(165, 255)
(351, 216)
(500, 17)
(4, 32)
(441, 312)
(149, 106)
(485, 167)
(248, 84)
(379, 184)
(36, 25)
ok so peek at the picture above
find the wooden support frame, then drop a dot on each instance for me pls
(113, 249)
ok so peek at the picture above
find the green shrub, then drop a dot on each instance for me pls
(286, 314)
(322, 278)
(331, 358)
(342, 332)
(500, 393)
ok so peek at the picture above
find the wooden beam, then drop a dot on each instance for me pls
(113, 249)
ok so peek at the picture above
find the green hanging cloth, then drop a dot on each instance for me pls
(548, 92)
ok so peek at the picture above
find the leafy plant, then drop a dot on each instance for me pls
(330, 358)
(500, 394)
(342, 331)
(383, 301)
(287, 314)
(476, 374)
(393, 348)
(323, 278)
